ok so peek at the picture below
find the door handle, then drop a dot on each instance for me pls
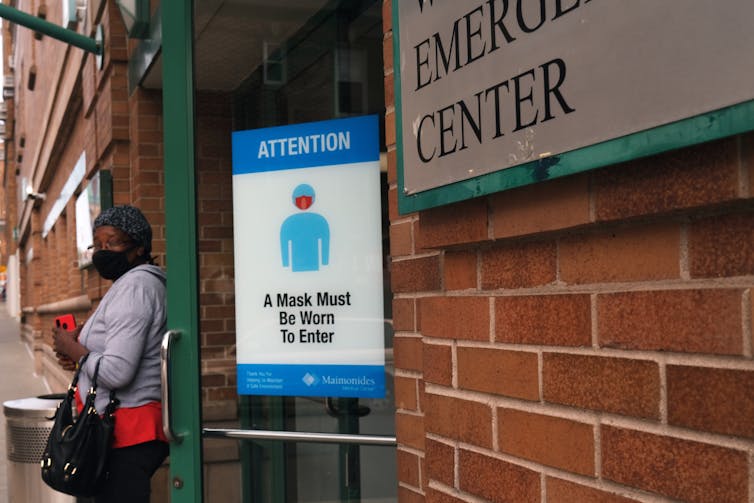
(167, 425)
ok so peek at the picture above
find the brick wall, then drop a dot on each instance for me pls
(583, 339)
(216, 269)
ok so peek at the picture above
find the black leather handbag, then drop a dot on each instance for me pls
(75, 458)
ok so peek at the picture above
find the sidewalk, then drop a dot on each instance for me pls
(18, 381)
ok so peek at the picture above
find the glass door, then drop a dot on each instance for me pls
(258, 64)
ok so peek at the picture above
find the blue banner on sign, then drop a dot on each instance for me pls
(366, 381)
(324, 143)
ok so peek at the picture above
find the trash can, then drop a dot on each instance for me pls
(28, 422)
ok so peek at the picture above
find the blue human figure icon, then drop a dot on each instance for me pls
(304, 236)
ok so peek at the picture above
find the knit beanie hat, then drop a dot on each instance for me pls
(131, 221)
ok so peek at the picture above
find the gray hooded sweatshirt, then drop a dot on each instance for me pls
(125, 333)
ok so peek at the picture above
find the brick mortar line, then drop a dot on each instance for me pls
(409, 412)
(401, 220)
(746, 329)
(454, 492)
(411, 450)
(541, 376)
(684, 265)
(408, 334)
(594, 321)
(456, 465)
(454, 364)
(495, 430)
(740, 282)
(492, 316)
(414, 489)
(549, 471)
(598, 447)
(622, 287)
(678, 432)
(731, 362)
(595, 418)
(406, 258)
(409, 374)
(415, 315)
(479, 270)
(663, 368)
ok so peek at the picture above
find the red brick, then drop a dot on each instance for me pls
(553, 205)
(715, 400)
(406, 495)
(407, 353)
(691, 321)
(387, 59)
(627, 254)
(409, 430)
(438, 364)
(406, 396)
(387, 16)
(618, 385)
(466, 318)
(392, 204)
(453, 224)
(507, 373)
(722, 246)
(403, 315)
(457, 419)
(392, 166)
(408, 468)
(498, 481)
(401, 238)
(416, 275)
(696, 176)
(562, 491)
(439, 497)
(519, 265)
(390, 132)
(440, 459)
(552, 441)
(459, 270)
(553, 320)
(674, 467)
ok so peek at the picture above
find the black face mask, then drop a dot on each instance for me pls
(111, 264)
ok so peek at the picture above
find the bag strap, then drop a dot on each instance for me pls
(75, 380)
(114, 402)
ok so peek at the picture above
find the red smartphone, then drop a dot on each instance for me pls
(67, 322)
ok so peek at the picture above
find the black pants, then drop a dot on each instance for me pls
(130, 471)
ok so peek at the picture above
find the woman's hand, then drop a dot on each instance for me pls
(67, 347)
(65, 362)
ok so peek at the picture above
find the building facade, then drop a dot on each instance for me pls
(581, 338)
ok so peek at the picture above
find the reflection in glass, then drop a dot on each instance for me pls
(285, 62)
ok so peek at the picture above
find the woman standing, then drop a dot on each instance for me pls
(124, 333)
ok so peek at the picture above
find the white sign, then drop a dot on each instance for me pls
(308, 260)
(77, 174)
(486, 85)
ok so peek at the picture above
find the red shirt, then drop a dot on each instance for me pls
(134, 425)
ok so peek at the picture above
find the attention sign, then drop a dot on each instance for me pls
(308, 260)
(488, 85)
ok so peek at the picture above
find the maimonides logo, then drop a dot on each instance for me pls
(310, 380)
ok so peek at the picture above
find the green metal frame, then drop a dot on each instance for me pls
(50, 29)
(706, 127)
(180, 219)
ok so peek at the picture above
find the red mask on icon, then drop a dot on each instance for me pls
(303, 202)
